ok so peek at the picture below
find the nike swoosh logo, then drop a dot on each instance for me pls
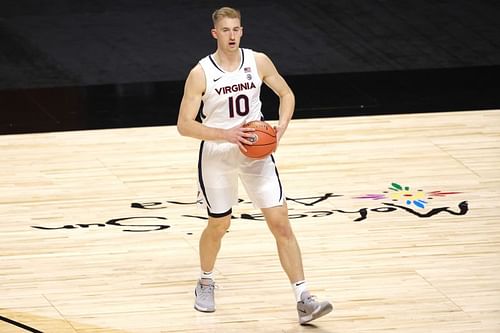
(217, 79)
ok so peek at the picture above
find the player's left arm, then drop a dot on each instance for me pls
(270, 76)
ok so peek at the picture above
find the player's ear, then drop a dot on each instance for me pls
(213, 32)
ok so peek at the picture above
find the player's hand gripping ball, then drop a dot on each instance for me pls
(263, 139)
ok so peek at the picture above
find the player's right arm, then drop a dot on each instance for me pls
(187, 125)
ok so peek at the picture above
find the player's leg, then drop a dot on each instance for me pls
(263, 186)
(288, 247)
(218, 191)
(308, 308)
(210, 243)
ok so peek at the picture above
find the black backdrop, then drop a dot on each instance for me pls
(93, 64)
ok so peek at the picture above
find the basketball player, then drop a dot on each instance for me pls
(228, 83)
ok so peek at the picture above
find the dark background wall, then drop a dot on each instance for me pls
(338, 55)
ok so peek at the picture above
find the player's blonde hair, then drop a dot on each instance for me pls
(225, 12)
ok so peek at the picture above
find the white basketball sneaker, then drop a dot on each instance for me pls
(309, 308)
(204, 294)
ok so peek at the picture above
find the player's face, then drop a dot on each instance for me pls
(228, 32)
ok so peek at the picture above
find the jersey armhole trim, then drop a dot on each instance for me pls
(215, 64)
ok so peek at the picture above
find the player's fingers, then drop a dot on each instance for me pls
(247, 129)
(246, 142)
(278, 133)
(242, 147)
(249, 138)
(248, 135)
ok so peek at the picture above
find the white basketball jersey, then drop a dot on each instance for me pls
(231, 98)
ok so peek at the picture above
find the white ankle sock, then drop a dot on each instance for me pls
(207, 275)
(299, 287)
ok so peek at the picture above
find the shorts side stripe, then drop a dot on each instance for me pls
(278, 176)
(200, 173)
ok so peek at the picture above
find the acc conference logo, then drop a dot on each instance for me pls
(397, 198)
(406, 195)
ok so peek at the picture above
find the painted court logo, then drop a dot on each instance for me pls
(408, 196)
(404, 194)
(397, 199)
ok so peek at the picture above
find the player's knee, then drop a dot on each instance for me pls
(216, 230)
(281, 231)
(219, 225)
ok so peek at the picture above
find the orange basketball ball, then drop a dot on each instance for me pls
(264, 140)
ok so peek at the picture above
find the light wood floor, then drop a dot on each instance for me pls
(68, 265)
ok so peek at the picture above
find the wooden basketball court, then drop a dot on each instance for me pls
(397, 217)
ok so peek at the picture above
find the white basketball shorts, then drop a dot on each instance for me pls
(219, 166)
